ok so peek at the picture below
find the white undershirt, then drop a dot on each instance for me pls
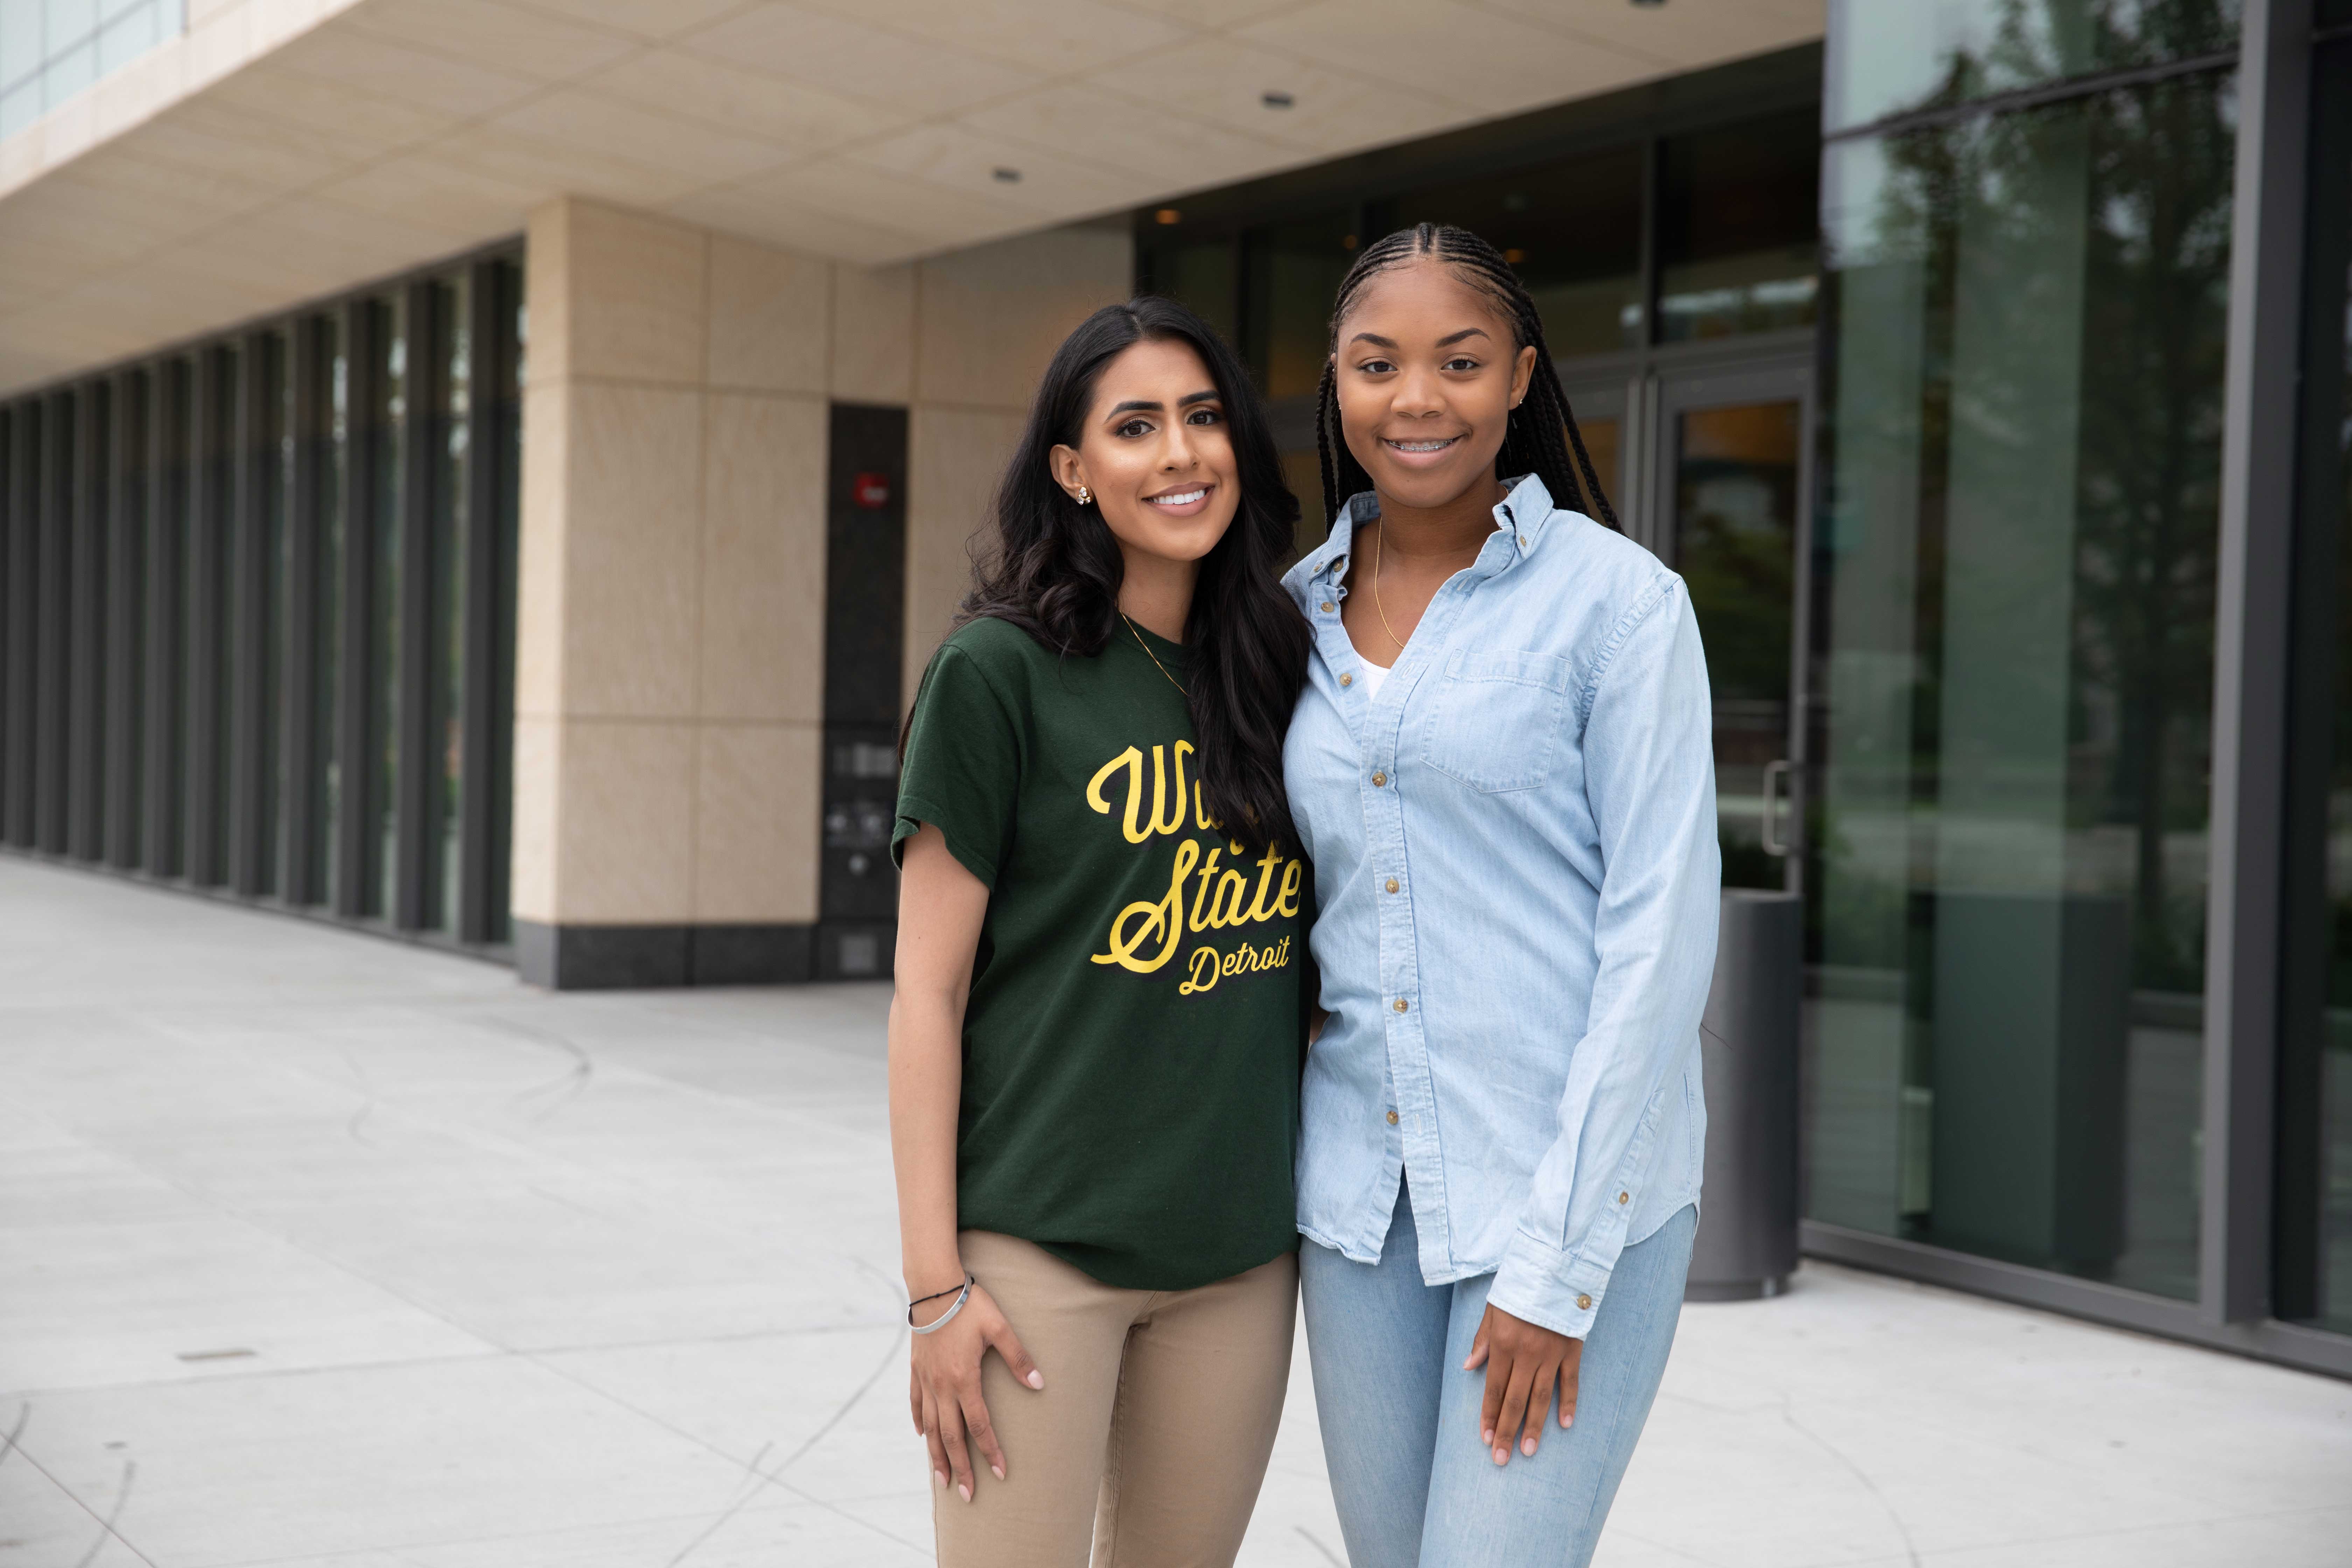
(1373, 675)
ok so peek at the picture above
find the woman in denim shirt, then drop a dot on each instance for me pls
(1501, 770)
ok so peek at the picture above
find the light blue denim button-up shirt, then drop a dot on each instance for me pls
(1517, 877)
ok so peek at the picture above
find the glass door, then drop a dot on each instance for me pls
(1723, 509)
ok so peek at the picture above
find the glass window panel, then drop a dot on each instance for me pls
(1893, 57)
(450, 527)
(67, 72)
(1736, 548)
(496, 773)
(2013, 694)
(332, 530)
(2314, 1283)
(268, 523)
(1204, 275)
(1739, 217)
(1573, 228)
(392, 431)
(126, 39)
(65, 23)
(20, 42)
(1294, 272)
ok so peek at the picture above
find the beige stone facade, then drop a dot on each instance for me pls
(671, 631)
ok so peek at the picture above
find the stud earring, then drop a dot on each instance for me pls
(1085, 495)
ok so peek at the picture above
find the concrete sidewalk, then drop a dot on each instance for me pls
(315, 1249)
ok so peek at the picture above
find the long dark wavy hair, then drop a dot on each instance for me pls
(1542, 431)
(1053, 567)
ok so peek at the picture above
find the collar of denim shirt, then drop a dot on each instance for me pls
(1523, 514)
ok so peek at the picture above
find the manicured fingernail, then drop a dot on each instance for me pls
(1486, 1436)
(996, 1470)
(1527, 1447)
(1036, 1378)
(1568, 1420)
(1502, 1455)
(965, 1490)
(939, 1479)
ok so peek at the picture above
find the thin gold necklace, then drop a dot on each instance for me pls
(1153, 656)
(1377, 610)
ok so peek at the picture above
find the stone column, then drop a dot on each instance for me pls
(669, 675)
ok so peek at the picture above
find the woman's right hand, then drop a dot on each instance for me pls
(943, 1385)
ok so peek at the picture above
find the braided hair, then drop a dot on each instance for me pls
(1542, 431)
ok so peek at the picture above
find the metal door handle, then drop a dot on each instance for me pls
(1773, 773)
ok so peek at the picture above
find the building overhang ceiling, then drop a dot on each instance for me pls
(285, 149)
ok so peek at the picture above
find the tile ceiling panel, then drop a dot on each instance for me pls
(528, 43)
(1665, 34)
(791, 114)
(1225, 80)
(1053, 38)
(842, 56)
(1487, 62)
(1169, 151)
(395, 130)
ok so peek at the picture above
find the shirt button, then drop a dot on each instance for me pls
(1346, 680)
(1392, 884)
(1327, 606)
(1622, 1197)
(1523, 541)
(1402, 1004)
(1583, 1303)
(1378, 780)
(1393, 1118)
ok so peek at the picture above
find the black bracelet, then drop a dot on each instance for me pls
(968, 1281)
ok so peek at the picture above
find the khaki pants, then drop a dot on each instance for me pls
(1152, 1431)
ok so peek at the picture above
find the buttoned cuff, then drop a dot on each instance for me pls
(1549, 1287)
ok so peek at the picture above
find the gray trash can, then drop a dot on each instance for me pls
(1747, 1243)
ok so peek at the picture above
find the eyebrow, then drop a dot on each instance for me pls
(1381, 342)
(1145, 406)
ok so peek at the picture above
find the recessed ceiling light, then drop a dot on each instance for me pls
(1166, 215)
(1005, 176)
(1648, 5)
(1276, 99)
(1515, 256)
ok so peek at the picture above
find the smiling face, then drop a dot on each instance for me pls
(1428, 375)
(1155, 454)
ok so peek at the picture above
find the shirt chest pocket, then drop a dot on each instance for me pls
(1497, 718)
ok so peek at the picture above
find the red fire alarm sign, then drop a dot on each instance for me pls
(871, 491)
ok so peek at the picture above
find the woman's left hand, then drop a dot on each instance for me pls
(1523, 1364)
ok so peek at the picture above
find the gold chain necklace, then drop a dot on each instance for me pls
(1153, 656)
(1377, 610)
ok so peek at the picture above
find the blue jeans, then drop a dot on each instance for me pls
(1413, 1483)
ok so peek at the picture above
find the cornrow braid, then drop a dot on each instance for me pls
(1541, 438)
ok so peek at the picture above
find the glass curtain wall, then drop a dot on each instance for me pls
(2314, 1283)
(2013, 629)
(1636, 245)
(257, 613)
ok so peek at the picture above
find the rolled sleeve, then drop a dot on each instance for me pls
(1650, 782)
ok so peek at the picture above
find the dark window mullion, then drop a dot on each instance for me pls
(209, 434)
(86, 653)
(248, 619)
(487, 308)
(23, 642)
(52, 657)
(415, 837)
(167, 482)
(125, 617)
(303, 876)
(354, 850)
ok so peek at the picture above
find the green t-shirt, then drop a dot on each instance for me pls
(1133, 1037)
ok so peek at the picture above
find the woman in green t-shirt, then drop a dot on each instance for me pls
(1096, 1038)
